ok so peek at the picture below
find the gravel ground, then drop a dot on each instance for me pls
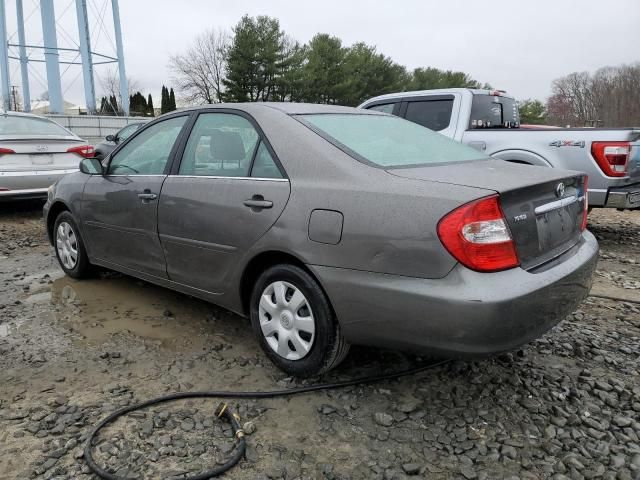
(565, 406)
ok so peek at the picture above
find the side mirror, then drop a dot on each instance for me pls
(110, 138)
(91, 166)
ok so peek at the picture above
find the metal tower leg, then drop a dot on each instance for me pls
(24, 62)
(51, 56)
(124, 88)
(4, 59)
(85, 53)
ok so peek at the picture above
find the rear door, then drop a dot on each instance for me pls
(120, 208)
(225, 194)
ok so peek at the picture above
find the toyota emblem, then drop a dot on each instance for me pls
(560, 190)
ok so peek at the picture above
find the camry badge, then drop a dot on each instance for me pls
(560, 190)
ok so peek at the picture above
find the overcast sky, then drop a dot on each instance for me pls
(514, 45)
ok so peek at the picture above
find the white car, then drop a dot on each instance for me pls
(34, 153)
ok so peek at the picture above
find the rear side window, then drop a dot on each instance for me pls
(493, 111)
(384, 108)
(433, 114)
(386, 141)
(220, 145)
(18, 125)
(264, 166)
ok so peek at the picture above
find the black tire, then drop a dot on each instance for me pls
(82, 267)
(329, 347)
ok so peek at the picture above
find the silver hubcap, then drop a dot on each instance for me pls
(67, 245)
(286, 320)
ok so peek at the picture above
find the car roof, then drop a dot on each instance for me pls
(289, 108)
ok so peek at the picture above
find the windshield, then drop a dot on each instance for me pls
(387, 141)
(493, 111)
(17, 125)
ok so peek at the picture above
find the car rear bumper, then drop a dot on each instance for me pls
(624, 197)
(464, 313)
(18, 185)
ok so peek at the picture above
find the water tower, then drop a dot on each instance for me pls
(49, 53)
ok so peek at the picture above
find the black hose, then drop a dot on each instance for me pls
(223, 410)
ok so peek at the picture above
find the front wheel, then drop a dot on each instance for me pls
(294, 322)
(69, 247)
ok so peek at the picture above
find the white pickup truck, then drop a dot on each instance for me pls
(489, 121)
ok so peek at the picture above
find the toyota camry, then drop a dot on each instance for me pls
(330, 226)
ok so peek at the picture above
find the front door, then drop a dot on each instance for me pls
(120, 208)
(228, 192)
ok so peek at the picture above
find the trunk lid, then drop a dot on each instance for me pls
(39, 154)
(543, 207)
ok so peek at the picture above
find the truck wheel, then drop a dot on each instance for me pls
(294, 322)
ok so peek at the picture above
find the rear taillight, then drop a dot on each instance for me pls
(585, 194)
(5, 151)
(612, 157)
(476, 234)
(85, 151)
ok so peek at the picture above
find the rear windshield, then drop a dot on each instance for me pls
(15, 125)
(387, 141)
(492, 111)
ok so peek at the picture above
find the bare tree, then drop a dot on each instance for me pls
(607, 98)
(110, 84)
(199, 71)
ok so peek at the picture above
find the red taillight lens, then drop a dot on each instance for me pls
(612, 157)
(585, 193)
(476, 234)
(85, 151)
(5, 151)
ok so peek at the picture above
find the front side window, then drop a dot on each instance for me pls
(384, 108)
(220, 144)
(386, 141)
(148, 153)
(433, 114)
(127, 131)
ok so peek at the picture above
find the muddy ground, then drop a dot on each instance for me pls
(566, 406)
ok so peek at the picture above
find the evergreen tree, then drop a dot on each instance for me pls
(150, 109)
(172, 101)
(164, 102)
(254, 60)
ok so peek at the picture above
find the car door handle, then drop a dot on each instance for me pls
(147, 196)
(258, 202)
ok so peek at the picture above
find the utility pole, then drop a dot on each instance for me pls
(13, 94)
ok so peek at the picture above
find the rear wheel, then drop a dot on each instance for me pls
(69, 247)
(294, 322)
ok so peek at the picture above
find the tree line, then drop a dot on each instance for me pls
(610, 97)
(258, 61)
(138, 104)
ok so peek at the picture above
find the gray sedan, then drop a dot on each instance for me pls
(34, 153)
(330, 226)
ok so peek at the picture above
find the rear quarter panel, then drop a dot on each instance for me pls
(534, 147)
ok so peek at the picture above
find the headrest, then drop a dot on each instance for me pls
(226, 146)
